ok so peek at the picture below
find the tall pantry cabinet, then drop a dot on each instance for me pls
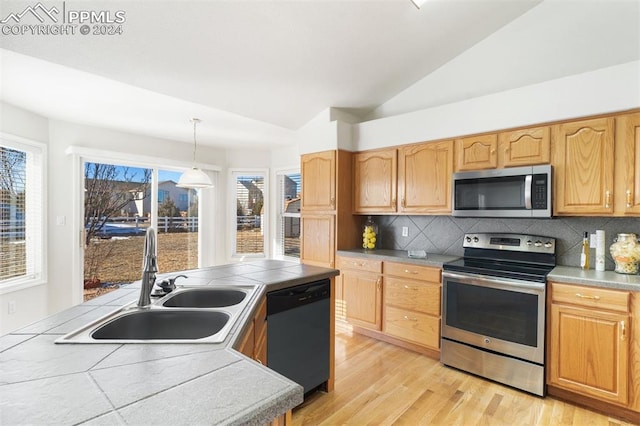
(326, 219)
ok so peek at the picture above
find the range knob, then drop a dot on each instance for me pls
(548, 244)
(476, 239)
(538, 243)
(529, 242)
(468, 239)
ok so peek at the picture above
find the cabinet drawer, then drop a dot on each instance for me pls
(592, 297)
(415, 272)
(412, 295)
(412, 326)
(360, 264)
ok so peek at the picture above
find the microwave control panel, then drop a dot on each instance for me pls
(539, 192)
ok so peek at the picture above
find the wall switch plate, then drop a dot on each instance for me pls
(61, 220)
(592, 240)
(12, 307)
(405, 231)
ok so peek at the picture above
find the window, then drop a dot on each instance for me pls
(250, 209)
(21, 212)
(163, 195)
(288, 241)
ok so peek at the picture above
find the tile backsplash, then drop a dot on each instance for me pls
(443, 234)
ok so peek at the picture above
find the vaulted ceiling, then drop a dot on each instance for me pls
(253, 71)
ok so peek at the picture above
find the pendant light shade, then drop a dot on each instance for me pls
(194, 178)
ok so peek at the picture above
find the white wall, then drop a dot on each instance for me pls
(611, 89)
(31, 303)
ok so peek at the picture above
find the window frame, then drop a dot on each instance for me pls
(80, 155)
(281, 214)
(35, 234)
(233, 196)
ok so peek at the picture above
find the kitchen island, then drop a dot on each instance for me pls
(203, 383)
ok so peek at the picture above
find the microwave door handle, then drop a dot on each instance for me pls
(528, 180)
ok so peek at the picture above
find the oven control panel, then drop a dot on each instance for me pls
(511, 242)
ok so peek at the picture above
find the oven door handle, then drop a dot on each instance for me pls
(486, 281)
(528, 183)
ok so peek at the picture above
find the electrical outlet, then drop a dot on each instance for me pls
(405, 231)
(12, 307)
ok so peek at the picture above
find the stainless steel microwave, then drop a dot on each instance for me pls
(510, 192)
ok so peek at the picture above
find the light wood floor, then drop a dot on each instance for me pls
(378, 383)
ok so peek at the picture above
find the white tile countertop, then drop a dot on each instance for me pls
(204, 383)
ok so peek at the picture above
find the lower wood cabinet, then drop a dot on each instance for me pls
(393, 300)
(412, 303)
(362, 291)
(589, 346)
(254, 342)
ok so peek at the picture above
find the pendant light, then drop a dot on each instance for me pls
(194, 178)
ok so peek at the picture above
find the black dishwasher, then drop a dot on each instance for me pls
(298, 327)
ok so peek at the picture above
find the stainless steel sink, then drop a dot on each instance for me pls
(160, 324)
(204, 298)
(187, 315)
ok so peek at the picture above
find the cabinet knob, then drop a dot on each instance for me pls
(333, 202)
(629, 198)
(607, 199)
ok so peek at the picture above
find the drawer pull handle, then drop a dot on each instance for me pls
(410, 319)
(629, 199)
(607, 199)
(623, 331)
(406, 271)
(582, 296)
(410, 288)
(359, 263)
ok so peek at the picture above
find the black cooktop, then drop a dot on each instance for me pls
(515, 256)
(500, 268)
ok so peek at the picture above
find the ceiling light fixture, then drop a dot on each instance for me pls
(194, 178)
(418, 3)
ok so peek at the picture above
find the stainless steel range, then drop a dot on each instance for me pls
(493, 308)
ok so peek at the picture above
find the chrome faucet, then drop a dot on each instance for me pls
(149, 268)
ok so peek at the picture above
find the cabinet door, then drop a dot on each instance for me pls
(589, 352)
(363, 298)
(318, 240)
(628, 145)
(424, 177)
(583, 167)
(318, 181)
(525, 147)
(375, 181)
(477, 152)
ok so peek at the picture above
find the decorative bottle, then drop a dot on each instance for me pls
(369, 234)
(584, 256)
(625, 251)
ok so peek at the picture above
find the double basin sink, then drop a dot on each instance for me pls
(186, 315)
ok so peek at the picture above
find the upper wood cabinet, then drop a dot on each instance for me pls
(583, 160)
(424, 177)
(375, 181)
(318, 181)
(477, 152)
(628, 164)
(524, 147)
